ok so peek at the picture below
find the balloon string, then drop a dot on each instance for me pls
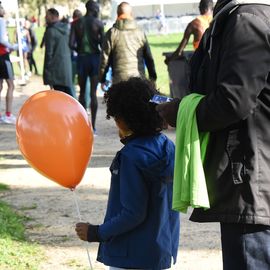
(80, 219)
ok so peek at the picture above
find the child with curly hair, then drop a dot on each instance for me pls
(140, 230)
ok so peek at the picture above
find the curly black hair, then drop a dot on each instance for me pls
(129, 101)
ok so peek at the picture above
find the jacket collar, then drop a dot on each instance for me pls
(128, 139)
(124, 16)
(125, 24)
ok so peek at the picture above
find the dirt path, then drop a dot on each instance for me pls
(52, 207)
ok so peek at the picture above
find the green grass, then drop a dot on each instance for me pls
(3, 187)
(16, 253)
(160, 44)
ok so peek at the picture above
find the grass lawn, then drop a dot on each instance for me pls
(16, 253)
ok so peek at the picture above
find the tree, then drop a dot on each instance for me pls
(37, 8)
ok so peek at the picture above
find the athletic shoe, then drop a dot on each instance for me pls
(9, 119)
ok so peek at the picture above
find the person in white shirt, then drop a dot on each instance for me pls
(6, 69)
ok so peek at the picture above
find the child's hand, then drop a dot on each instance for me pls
(82, 230)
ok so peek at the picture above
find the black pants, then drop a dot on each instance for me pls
(64, 89)
(245, 246)
(32, 62)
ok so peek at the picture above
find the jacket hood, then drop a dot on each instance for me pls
(125, 24)
(153, 155)
(228, 5)
(61, 27)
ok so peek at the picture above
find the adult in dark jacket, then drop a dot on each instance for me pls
(231, 68)
(86, 38)
(57, 63)
(126, 49)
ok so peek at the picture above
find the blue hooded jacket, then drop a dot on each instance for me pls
(140, 230)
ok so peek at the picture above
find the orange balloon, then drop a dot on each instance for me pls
(55, 136)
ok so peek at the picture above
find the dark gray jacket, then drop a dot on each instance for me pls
(231, 67)
(57, 62)
(127, 51)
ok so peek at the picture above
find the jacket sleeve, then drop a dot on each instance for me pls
(72, 38)
(3, 36)
(149, 61)
(242, 74)
(133, 198)
(49, 41)
(105, 57)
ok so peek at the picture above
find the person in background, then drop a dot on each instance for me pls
(161, 21)
(34, 21)
(33, 39)
(196, 28)
(126, 50)
(74, 55)
(25, 47)
(86, 38)
(140, 231)
(231, 69)
(57, 62)
(6, 69)
(65, 19)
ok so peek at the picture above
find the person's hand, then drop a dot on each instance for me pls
(105, 86)
(153, 82)
(82, 230)
(15, 47)
(168, 111)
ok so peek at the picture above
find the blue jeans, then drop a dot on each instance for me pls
(245, 246)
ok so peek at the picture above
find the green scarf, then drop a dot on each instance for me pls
(189, 187)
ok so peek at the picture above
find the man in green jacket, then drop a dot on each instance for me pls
(57, 63)
(126, 49)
